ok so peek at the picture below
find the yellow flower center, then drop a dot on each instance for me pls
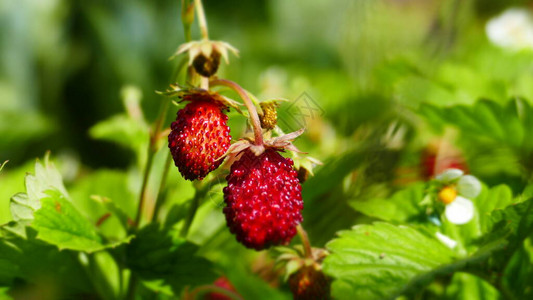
(447, 195)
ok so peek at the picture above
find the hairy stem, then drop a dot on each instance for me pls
(187, 18)
(202, 22)
(160, 197)
(132, 286)
(254, 117)
(195, 203)
(305, 241)
(152, 149)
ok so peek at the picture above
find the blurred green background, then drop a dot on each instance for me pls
(367, 67)
(63, 63)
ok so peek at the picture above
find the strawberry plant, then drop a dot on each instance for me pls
(379, 173)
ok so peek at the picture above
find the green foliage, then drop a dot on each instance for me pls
(377, 261)
(40, 264)
(403, 206)
(466, 286)
(46, 208)
(165, 262)
(509, 124)
(388, 81)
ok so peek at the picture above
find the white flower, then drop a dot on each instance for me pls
(446, 240)
(456, 195)
(460, 211)
(513, 29)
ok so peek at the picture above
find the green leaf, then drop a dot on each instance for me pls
(58, 222)
(486, 120)
(3, 164)
(465, 286)
(518, 219)
(122, 130)
(106, 195)
(496, 198)
(403, 206)
(165, 262)
(18, 127)
(46, 177)
(33, 261)
(46, 207)
(331, 174)
(377, 261)
(11, 183)
(519, 272)
(321, 193)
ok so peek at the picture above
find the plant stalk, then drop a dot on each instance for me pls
(192, 211)
(202, 22)
(305, 241)
(152, 149)
(161, 199)
(254, 117)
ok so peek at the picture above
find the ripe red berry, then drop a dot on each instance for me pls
(224, 283)
(263, 199)
(430, 166)
(199, 136)
(309, 284)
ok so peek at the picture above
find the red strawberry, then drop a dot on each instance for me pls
(199, 136)
(263, 199)
(430, 166)
(221, 282)
(309, 283)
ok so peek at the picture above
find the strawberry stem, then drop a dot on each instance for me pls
(187, 17)
(199, 193)
(152, 149)
(254, 117)
(202, 22)
(305, 241)
(161, 198)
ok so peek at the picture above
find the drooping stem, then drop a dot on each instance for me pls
(192, 211)
(305, 241)
(132, 287)
(160, 197)
(152, 149)
(254, 117)
(204, 83)
(187, 18)
(202, 22)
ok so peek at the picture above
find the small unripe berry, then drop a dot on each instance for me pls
(308, 283)
(269, 118)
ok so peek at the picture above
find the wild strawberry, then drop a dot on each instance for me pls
(431, 165)
(308, 283)
(263, 199)
(224, 283)
(199, 136)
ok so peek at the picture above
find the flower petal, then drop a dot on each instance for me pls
(449, 175)
(469, 186)
(460, 211)
(446, 240)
